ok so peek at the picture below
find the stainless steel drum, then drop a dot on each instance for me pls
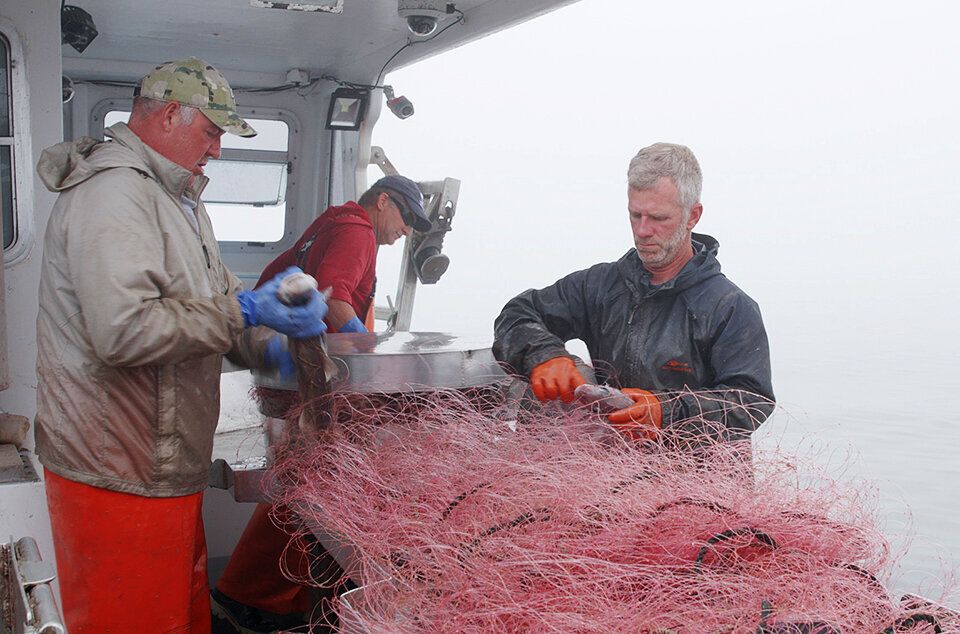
(367, 363)
(393, 362)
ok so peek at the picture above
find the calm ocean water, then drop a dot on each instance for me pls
(888, 424)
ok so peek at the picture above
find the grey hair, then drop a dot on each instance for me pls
(672, 161)
(147, 106)
(369, 196)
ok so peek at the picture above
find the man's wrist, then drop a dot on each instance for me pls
(248, 308)
(534, 360)
(353, 325)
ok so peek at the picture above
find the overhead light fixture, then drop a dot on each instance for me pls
(76, 27)
(400, 106)
(347, 108)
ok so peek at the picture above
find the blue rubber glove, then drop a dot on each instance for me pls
(353, 325)
(277, 357)
(261, 307)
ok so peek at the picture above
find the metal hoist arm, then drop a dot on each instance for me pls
(423, 259)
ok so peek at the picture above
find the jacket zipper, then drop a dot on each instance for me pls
(199, 232)
(632, 347)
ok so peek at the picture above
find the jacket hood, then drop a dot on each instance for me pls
(350, 213)
(702, 266)
(68, 164)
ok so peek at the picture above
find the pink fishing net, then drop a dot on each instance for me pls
(461, 516)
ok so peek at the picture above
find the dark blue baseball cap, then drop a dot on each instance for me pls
(412, 199)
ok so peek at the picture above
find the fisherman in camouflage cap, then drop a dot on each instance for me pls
(194, 82)
(137, 311)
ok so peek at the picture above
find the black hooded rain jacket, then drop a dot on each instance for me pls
(696, 341)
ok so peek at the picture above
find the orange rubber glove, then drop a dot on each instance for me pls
(556, 378)
(642, 420)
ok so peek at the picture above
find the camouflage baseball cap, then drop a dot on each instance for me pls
(193, 82)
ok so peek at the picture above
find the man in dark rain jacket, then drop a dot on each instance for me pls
(663, 322)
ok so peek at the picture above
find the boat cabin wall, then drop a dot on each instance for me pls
(322, 164)
(325, 167)
(31, 39)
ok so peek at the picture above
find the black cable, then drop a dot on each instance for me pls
(410, 43)
(757, 535)
(313, 82)
(350, 84)
(280, 87)
(390, 59)
(106, 82)
(904, 623)
(537, 515)
(460, 498)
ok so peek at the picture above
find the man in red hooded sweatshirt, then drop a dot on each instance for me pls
(339, 249)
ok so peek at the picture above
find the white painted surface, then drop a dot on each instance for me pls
(23, 509)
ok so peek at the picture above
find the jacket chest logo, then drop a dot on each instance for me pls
(677, 366)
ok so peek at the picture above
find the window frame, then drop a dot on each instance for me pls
(294, 138)
(20, 156)
(275, 157)
(9, 141)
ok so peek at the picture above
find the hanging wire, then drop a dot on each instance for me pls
(106, 82)
(350, 84)
(411, 42)
(304, 89)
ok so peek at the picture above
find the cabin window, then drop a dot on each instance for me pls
(247, 194)
(8, 191)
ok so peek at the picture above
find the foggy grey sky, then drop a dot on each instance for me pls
(829, 139)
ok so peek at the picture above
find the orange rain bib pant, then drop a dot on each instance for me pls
(254, 575)
(128, 563)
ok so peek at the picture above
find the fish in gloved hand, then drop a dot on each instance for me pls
(633, 413)
(296, 287)
(314, 367)
(294, 290)
(602, 398)
(302, 318)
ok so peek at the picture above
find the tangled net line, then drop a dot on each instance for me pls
(463, 522)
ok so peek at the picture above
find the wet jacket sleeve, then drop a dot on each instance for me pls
(116, 252)
(534, 325)
(739, 396)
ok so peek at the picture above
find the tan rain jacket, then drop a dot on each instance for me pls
(136, 312)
